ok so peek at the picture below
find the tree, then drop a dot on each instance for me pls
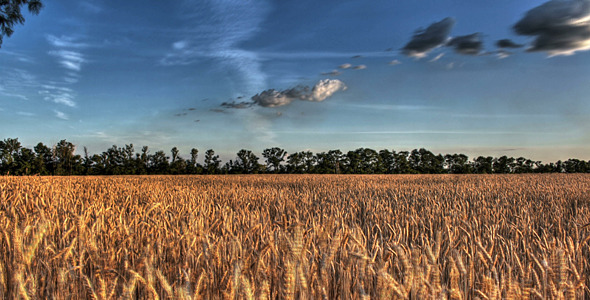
(43, 164)
(178, 165)
(425, 162)
(329, 162)
(10, 14)
(66, 161)
(9, 149)
(246, 162)
(24, 162)
(503, 164)
(212, 162)
(192, 167)
(274, 157)
(158, 163)
(483, 165)
(457, 163)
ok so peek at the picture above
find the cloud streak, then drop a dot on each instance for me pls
(70, 60)
(228, 23)
(69, 56)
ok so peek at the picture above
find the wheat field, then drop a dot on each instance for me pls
(295, 237)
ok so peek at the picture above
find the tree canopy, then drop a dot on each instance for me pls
(11, 14)
(61, 159)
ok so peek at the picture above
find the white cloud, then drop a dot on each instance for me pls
(395, 62)
(437, 57)
(326, 88)
(180, 45)
(321, 91)
(59, 95)
(61, 115)
(64, 42)
(70, 60)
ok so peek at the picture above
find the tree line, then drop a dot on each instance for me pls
(62, 160)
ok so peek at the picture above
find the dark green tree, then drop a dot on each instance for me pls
(11, 14)
(9, 149)
(274, 157)
(483, 165)
(246, 162)
(65, 159)
(212, 162)
(158, 163)
(457, 163)
(503, 164)
(43, 164)
(330, 162)
(178, 165)
(425, 162)
(192, 166)
(24, 162)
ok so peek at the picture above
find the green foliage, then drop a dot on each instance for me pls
(62, 160)
(11, 14)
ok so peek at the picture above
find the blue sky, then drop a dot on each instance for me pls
(303, 75)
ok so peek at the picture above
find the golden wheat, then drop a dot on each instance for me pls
(296, 237)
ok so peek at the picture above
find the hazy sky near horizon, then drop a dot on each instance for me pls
(303, 75)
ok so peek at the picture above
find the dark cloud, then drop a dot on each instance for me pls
(507, 43)
(470, 44)
(357, 56)
(272, 98)
(424, 40)
(237, 105)
(560, 27)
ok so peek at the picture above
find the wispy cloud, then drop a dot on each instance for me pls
(394, 107)
(223, 25)
(65, 41)
(91, 7)
(18, 56)
(68, 52)
(59, 95)
(70, 60)
(412, 132)
(25, 114)
(437, 57)
(15, 82)
(61, 115)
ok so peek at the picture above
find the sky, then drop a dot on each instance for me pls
(494, 78)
